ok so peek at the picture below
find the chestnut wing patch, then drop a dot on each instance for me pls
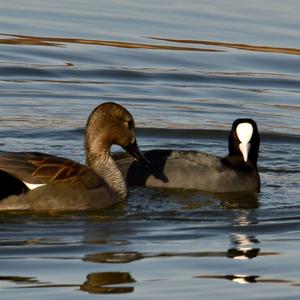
(41, 168)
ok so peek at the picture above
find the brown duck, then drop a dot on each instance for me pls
(43, 182)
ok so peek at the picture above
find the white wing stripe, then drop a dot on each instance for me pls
(33, 186)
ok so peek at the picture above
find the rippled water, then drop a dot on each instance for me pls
(186, 70)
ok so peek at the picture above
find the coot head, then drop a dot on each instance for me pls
(244, 140)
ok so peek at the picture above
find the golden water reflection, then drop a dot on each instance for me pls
(100, 283)
(256, 48)
(10, 39)
(13, 39)
(19, 279)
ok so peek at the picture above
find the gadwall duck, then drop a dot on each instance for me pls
(237, 172)
(43, 182)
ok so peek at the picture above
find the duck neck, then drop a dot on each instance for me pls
(105, 167)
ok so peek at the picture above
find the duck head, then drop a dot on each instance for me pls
(111, 124)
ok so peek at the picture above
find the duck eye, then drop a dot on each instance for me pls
(130, 125)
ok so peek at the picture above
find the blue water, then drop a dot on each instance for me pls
(185, 70)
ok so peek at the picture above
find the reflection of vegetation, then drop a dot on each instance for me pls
(97, 283)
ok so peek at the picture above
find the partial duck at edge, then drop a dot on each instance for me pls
(236, 172)
(43, 182)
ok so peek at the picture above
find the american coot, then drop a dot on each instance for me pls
(38, 181)
(237, 172)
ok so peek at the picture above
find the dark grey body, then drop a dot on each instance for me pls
(190, 170)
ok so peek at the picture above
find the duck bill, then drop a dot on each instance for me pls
(245, 148)
(134, 150)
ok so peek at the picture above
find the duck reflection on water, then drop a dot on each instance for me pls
(102, 283)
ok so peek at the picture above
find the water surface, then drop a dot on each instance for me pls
(186, 70)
